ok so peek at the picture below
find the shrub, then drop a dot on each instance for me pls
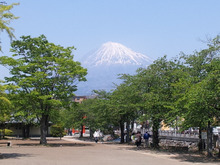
(57, 131)
(8, 132)
(5, 132)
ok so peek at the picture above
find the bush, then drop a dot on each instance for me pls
(5, 132)
(57, 131)
(8, 132)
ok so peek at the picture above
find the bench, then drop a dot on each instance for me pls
(8, 143)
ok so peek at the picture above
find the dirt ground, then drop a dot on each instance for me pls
(36, 142)
(69, 149)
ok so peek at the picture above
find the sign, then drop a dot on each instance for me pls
(204, 134)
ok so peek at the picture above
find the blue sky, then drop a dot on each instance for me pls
(150, 27)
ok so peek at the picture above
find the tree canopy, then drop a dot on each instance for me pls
(6, 17)
(45, 73)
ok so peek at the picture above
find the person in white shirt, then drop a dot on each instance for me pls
(97, 135)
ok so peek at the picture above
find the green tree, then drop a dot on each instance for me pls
(92, 113)
(5, 19)
(22, 111)
(201, 96)
(5, 106)
(66, 118)
(96, 114)
(4, 101)
(155, 86)
(203, 102)
(46, 73)
(124, 105)
(78, 117)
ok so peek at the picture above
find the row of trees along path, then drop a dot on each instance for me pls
(181, 93)
(44, 78)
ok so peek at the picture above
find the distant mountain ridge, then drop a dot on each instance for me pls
(106, 63)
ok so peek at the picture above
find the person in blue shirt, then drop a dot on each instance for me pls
(146, 138)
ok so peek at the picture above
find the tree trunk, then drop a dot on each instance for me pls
(81, 132)
(156, 126)
(122, 132)
(26, 130)
(132, 125)
(128, 132)
(201, 144)
(219, 153)
(43, 129)
(209, 140)
(91, 131)
(3, 131)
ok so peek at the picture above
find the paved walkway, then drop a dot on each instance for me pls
(70, 151)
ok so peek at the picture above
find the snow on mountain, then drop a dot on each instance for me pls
(106, 63)
(114, 53)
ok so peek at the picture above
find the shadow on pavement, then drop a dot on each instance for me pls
(184, 156)
(50, 143)
(196, 158)
(68, 145)
(12, 155)
(58, 144)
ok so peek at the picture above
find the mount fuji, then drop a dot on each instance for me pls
(112, 53)
(106, 63)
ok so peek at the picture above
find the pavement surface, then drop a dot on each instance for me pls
(71, 151)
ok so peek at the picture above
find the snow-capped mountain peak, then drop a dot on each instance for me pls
(115, 53)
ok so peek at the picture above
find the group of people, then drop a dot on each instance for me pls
(138, 139)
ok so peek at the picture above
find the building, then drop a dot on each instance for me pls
(79, 99)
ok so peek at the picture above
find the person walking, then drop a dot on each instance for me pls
(146, 138)
(97, 134)
(138, 139)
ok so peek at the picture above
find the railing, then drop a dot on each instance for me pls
(178, 134)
